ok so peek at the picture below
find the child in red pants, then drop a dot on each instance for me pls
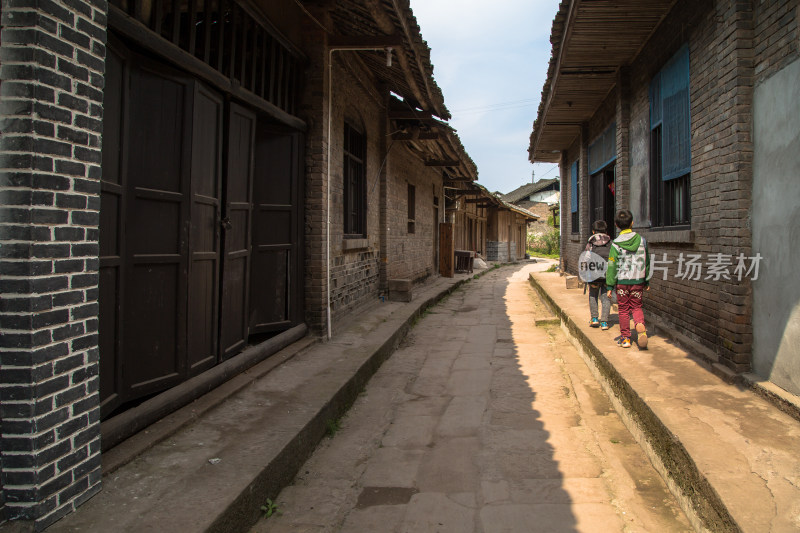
(628, 271)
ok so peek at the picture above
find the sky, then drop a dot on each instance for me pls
(490, 60)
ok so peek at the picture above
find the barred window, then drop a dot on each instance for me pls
(355, 182)
(670, 143)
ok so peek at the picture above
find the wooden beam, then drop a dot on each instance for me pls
(415, 136)
(360, 42)
(443, 163)
(410, 114)
(477, 200)
(139, 33)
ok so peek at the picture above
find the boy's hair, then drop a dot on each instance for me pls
(599, 226)
(624, 219)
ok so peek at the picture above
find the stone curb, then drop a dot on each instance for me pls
(703, 506)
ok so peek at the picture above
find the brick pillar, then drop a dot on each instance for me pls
(735, 179)
(383, 217)
(52, 56)
(314, 110)
(563, 169)
(622, 168)
(583, 178)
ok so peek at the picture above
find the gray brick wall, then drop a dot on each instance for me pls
(732, 45)
(355, 272)
(410, 255)
(52, 63)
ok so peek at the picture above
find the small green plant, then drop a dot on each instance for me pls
(552, 268)
(270, 508)
(332, 427)
(614, 441)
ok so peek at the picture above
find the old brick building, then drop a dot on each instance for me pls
(486, 224)
(180, 180)
(685, 122)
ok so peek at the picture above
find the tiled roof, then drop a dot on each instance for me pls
(526, 190)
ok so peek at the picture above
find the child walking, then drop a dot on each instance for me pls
(598, 243)
(629, 271)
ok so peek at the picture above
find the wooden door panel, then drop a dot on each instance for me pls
(274, 265)
(204, 255)
(236, 223)
(112, 228)
(156, 262)
(270, 264)
(152, 323)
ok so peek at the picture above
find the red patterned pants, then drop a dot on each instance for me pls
(629, 300)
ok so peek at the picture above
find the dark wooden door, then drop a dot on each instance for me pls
(112, 228)
(276, 264)
(236, 227)
(157, 230)
(204, 253)
(601, 198)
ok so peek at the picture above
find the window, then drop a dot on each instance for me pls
(411, 207)
(575, 194)
(670, 143)
(355, 183)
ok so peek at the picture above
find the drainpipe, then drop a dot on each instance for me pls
(331, 50)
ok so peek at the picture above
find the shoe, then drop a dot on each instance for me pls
(594, 323)
(641, 338)
(625, 342)
(604, 325)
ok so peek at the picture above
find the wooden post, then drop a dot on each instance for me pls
(446, 250)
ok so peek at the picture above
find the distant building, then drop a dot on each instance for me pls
(540, 198)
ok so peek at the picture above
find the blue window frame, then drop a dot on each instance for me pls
(574, 192)
(669, 109)
(603, 151)
(670, 143)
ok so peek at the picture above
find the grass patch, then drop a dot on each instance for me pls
(544, 255)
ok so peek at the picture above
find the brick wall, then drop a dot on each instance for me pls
(52, 56)
(355, 271)
(411, 255)
(313, 109)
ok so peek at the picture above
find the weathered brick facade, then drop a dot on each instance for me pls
(732, 46)
(52, 55)
(412, 255)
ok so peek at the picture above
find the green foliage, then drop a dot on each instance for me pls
(332, 427)
(270, 508)
(552, 268)
(546, 244)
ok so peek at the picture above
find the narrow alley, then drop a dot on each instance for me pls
(481, 421)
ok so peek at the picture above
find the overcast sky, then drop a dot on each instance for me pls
(490, 60)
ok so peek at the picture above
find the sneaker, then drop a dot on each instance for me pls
(594, 323)
(604, 325)
(624, 342)
(641, 338)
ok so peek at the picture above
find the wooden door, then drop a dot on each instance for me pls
(446, 250)
(236, 228)
(157, 230)
(601, 198)
(204, 253)
(276, 261)
(112, 227)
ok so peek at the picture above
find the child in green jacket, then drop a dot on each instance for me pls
(628, 271)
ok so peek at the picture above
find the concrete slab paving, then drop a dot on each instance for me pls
(729, 454)
(214, 473)
(522, 439)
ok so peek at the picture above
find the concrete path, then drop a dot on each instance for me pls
(732, 456)
(212, 464)
(480, 422)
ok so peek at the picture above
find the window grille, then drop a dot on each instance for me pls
(225, 36)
